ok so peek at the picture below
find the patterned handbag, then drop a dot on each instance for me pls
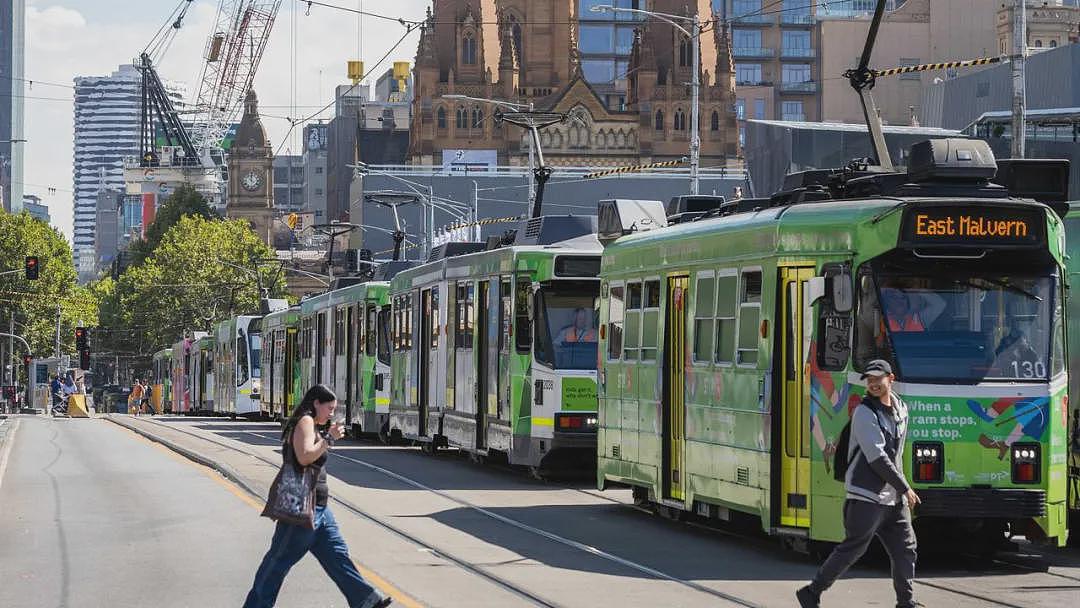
(292, 495)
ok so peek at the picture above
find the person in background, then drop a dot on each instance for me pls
(580, 331)
(135, 398)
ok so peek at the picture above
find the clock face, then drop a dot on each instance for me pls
(251, 181)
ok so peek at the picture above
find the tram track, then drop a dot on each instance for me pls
(462, 563)
(550, 536)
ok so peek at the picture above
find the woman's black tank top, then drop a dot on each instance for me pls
(322, 491)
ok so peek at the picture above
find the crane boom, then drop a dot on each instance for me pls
(233, 51)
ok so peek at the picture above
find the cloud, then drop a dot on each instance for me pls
(77, 38)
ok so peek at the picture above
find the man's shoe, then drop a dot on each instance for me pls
(807, 598)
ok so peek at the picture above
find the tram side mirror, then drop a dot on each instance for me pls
(842, 300)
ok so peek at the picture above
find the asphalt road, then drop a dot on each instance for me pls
(101, 517)
(93, 515)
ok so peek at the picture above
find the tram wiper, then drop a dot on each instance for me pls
(1002, 284)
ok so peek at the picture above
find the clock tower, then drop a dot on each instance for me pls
(251, 171)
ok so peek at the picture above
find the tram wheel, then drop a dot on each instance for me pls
(537, 473)
(427, 447)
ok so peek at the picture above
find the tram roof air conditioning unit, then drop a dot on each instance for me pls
(620, 216)
(454, 249)
(951, 159)
(551, 229)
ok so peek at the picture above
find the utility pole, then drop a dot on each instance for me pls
(57, 353)
(1019, 102)
(695, 112)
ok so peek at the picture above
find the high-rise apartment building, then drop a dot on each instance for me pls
(315, 141)
(12, 64)
(775, 50)
(106, 131)
(605, 40)
(288, 183)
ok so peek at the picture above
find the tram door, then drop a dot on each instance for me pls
(795, 425)
(426, 353)
(288, 380)
(674, 404)
(483, 362)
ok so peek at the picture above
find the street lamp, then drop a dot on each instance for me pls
(392, 200)
(695, 83)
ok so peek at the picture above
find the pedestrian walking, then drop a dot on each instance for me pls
(56, 390)
(135, 398)
(146, 393)
(307, 439)
(879, 499)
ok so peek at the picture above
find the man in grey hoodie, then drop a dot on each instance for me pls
(879, 499)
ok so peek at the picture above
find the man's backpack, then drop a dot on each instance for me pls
(841, 462)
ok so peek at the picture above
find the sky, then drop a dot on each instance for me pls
(70, 38)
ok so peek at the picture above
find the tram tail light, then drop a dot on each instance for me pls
(1026, 463)
(928, 462)
(576, 422)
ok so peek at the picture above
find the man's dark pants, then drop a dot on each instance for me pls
(862, 521)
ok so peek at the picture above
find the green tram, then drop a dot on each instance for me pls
(344, 345)
(281, 363)
(494, 348)
(202, 396)
(732, 347)
(1072, 228)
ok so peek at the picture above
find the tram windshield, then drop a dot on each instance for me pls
(962, 328)
(566, 328)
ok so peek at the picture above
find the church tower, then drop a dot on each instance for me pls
(251, 169)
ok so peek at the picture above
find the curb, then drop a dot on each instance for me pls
(224, 470)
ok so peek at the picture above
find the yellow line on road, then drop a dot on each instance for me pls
(385, 586)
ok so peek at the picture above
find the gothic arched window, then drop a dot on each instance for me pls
(715, 122)
(461, 122)
(468, 50)
(680, 120)
(440, 117)
(659, 120)
(477, 119)
(515, 32)
(685, 50)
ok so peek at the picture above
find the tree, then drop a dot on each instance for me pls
(184, 201)
(33, 304)
(201, 272)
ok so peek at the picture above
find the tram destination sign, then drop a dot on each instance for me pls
(973, 226)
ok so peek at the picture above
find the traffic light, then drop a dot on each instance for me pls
(82, 339)
(31, 268)
(27, 359)
(84, 359)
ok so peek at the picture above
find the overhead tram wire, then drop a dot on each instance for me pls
(294, 122)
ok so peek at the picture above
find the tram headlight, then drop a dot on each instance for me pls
(1026, 463)
(256, 386)
(928, 462)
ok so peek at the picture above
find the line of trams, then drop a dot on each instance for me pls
(708, 355)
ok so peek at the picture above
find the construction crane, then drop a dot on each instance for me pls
(233, 51)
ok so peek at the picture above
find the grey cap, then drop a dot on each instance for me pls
(877, 367)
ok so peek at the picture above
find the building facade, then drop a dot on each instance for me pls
(605, 40)
(106, 132)
(251, 173)
(108, 226)
(314, 160)
(775, 48)
(288, 183)
(917, 31)
(39, 211)
(526, 52)
(1050, 24)
(12, 66)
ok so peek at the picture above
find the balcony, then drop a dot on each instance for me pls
(754, 20)
(801, 53)
(753, 83)
(796, 19)
(809, 86)
(794, 117)
(753, 52)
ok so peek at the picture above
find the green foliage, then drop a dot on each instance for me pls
(189, 282)
(34, 303)
(184, 201)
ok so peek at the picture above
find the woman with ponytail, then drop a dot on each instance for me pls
(309, 435)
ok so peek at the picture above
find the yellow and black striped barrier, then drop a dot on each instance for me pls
(483, 222)
(633, 168)
(943, 65)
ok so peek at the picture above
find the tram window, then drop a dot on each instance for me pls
(726, 295)
(339, 331)
(834, 328)
(704, 312)
(505, 304)
(522, 321)
(464, 319)
(650, 320)
(749, 317)
(616, 312)
(434, 319)
(632, 336)
(409, 311)
(371, 333)
(241, 361)
(384, 335)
